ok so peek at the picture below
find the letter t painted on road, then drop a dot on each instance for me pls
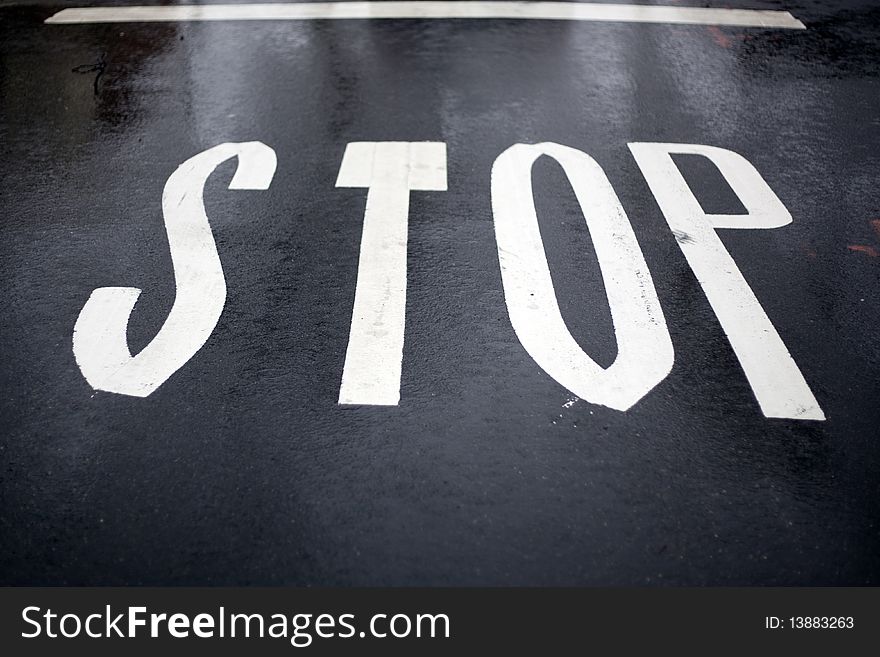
(389, 170)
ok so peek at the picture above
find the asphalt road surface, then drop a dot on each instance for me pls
(662, 426)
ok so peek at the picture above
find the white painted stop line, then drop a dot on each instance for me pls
(570, 11)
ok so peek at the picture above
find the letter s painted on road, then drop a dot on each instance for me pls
(100, 343)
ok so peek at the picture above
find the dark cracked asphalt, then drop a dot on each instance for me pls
(242, 468)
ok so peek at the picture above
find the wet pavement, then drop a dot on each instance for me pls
(242, 468)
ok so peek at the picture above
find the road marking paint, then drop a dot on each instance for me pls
(100, 343)
(390, 170)
(645, 354)
(621, 13)
(775, 379)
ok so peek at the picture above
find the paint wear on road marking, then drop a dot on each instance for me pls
(644, 348)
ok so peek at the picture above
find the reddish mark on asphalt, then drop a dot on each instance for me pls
(720, 37)
(861, 248)
(875, 224)
(725, 39)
